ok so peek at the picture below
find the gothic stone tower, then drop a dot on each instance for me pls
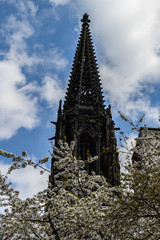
(84, 118)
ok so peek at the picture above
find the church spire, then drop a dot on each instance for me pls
(84, 88)
(83, 117)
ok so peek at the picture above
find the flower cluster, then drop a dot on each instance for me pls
(78, 205)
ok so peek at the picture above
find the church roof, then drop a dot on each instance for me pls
(84, 88)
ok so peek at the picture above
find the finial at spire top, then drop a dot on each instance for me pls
(85, 19)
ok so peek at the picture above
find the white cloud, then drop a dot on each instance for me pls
(125, 153)
(27, 181)
(25, 7)
(16, 33)
(128, 36)
(59, 2)
(51, 90)
(52, 59)
(57, 59)
(127, 95)
(17, 109)
(18, 104)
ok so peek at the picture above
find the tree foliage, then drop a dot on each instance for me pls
(82, 206)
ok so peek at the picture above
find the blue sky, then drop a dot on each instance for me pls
(37, 45)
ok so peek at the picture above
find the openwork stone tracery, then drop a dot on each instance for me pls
(84, 117)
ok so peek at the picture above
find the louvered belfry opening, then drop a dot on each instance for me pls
(83, 117)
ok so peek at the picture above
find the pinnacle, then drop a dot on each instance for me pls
(85, 19)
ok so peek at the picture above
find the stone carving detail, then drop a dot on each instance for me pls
(84, 117)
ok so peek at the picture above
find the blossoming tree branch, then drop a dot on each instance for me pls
(85, 206)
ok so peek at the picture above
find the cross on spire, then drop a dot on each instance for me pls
(85, 20)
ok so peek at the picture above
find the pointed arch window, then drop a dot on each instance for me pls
(87, 146)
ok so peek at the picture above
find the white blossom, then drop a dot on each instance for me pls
(82, 206)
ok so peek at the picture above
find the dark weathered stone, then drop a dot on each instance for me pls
(84, 118)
